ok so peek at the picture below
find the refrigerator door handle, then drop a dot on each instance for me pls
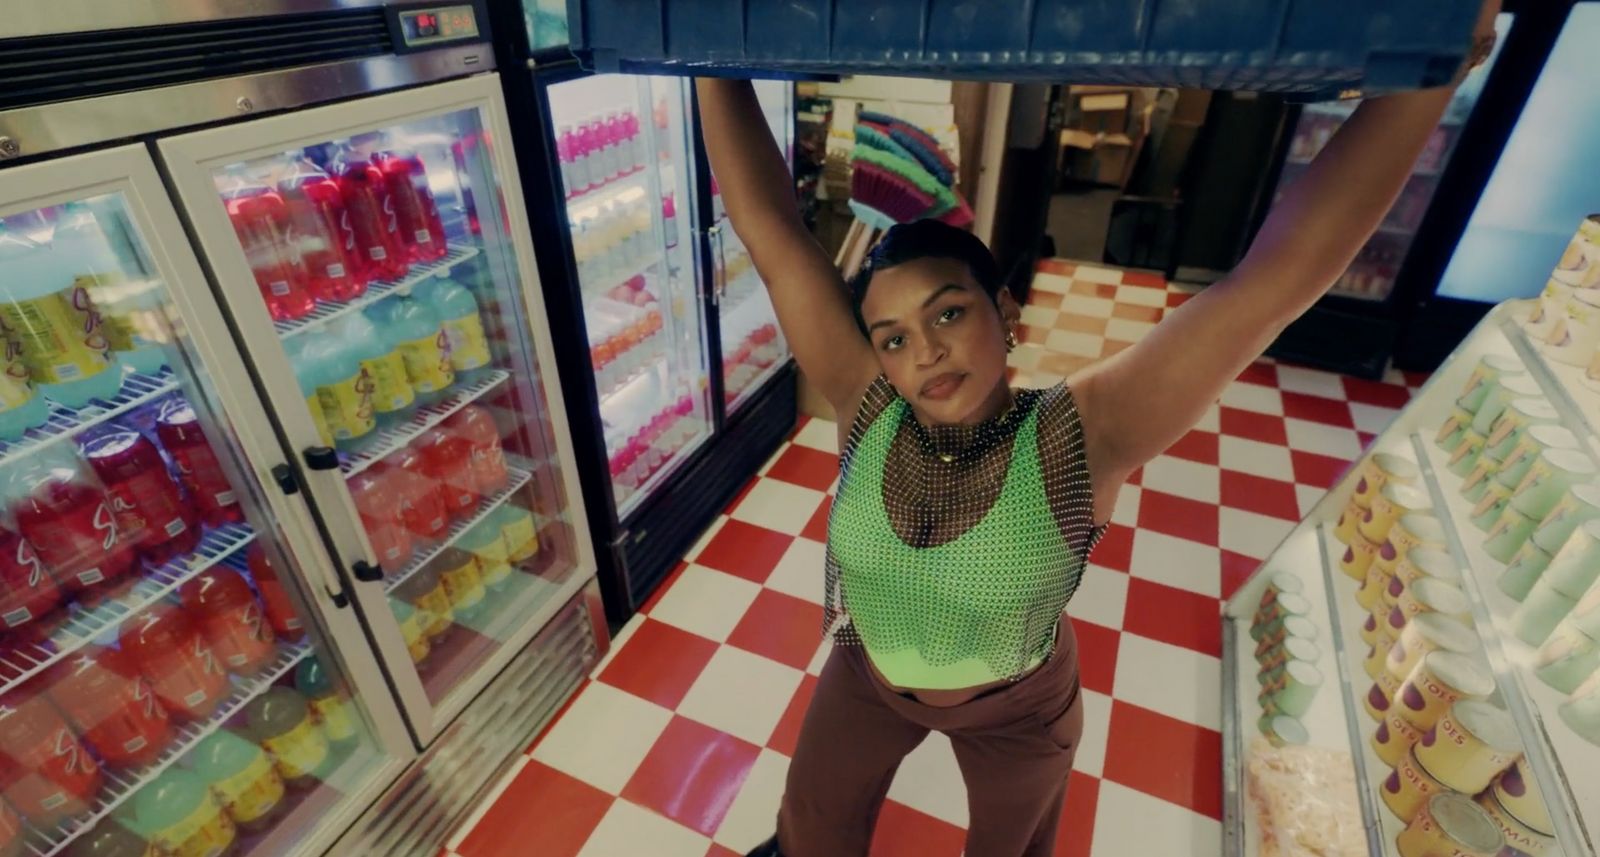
(283, 474)
(321, 458)
(366, 572)
(719, 267)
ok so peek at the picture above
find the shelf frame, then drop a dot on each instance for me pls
(376, 291)
(519, 477)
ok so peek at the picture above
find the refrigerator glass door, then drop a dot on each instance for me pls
(753, 348)
(623, 143)
(152, 610)
(1371, 275)
(372, 264)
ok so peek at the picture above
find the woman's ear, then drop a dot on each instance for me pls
(1010, 311)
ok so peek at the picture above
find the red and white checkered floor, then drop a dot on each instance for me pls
(678, 744)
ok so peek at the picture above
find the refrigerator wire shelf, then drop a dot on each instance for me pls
(519, 478)
(121, 785)
(595, 198)
(21, 663)
(137, 389)
(376, 291)
(611, 281)
(421, 420)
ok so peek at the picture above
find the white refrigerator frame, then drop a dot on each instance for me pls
(189, 160)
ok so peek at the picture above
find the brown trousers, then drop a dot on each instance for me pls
(1014, 746)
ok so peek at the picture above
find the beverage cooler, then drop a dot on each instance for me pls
(293, 547)
(679, 382)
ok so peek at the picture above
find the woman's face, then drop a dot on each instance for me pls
(940, 339)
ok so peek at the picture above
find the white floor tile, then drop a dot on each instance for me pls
(630, 829)
(1309, 496)
(819, 434)
(1039, 316)
(929, 781)
(1054, 283)
(1129, 822)
(800, 571)
(1026, 356)
(1102, 597)
(706, 602)
(1323, 439)
(778, 505)
(603, 736)
(1141, 296)
(1183, 478)
(1312, 382)
(1087, 306)
(742, 694)
(1251, 534)
(1093, 274)
(1371, 418)
(754, 813)
(617, 643)
(1177, 562)
(1126, 511)
(1091, 755)
(1172, 680)
(1128, 330)
(1255, 458)
(1253, 397)
(1074, 342)
(705, 538)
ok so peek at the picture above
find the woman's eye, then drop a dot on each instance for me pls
(893, 342)
(950, 314)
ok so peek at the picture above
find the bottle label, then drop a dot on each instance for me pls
(334, 715)
(251, 793)
(469, 348)
(423, 236)
(314, 405)
(427, 362)
(464, 585)
(378, 253)
(300, 751)
(522, 541)
(205, 832)
(347, 406)
(392, 391)
(61, 335)
(335, 270)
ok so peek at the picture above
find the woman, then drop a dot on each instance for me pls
(966, 510)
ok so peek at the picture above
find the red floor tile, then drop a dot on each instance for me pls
(1105, 291)
(1365, 438)
(905, 832)
(1178, 516)
(1376, 393)
(1263, 496)
(1115, 550)
(1265, 374)
(800, 421)
(1034, 333)
(1416, 379)
(660, 663)
(787, 736)
(1097, 655)
(1320, 471)
(541, 805)
(722, 851)
(780, 627)
(803, 465)
(817, 528)
(1318, 410)
(1136, 476)
(1144, 278)
(1056, 266)
(1177, 299)
(745, 550)
(1197, 446)
(1236, 569)
(1174, 616)
(1044, 300)
(1138, 312)
(1166, 758)
(1254, 426)
(1075, 836)
(692, 774)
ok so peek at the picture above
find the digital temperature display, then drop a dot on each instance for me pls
(439, 24)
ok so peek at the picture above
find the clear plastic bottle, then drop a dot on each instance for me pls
(45, 308)
(463, 326)
(383, 364)
(413, 328)
(280, 720)
(131, 310)
(330, 365)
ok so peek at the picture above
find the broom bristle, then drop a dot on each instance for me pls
(889, 197)
(929, 157)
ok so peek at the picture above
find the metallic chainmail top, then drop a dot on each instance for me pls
(953, 551)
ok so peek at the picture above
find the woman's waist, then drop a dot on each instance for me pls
(972, 678)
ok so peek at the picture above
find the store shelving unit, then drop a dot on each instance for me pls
(421, 420)
(137, 389)
(519, 478)
(376, 291)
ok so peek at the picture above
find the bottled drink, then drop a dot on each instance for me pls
(640, 151)
(589, 164)
(412, 628)
(232, 621)
(447, 460)
(463, 327)
(178, 429)
(171, 652)
(382, 364)
(621, 149)
(521, 534)
(463, 149)
(426, 592)
(566, 142)
(280, 720)
(374, 491)
(112, 706)
(261, 221)
(328, 705)
(46, 773)
(46, 311)
(183, 817)
(372, 218)
(308, 376)
(326, 241)
(344, 391)
(474, 424)
(109, 838)
(669, 220)
(28, 592)
(151, 513)
(241, 776)
(131, 311)
(65, 513)
(419, 498)
(486, 544)
(414, 329)
(21, 406)
(463, 584)
(415, 209)
(286, 623)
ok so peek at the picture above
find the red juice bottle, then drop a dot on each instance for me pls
(474, 424)
(447, 460)
(261, 221)
(286, 623)
(28, 592)
(417, 212)
(45, 771)
(336, 270)
(150, 510)
(424, 509)
(170, 651)
(66, 514)
(112, 706)
(372, 218)
(178, 429)
(374, 491)
(231, 619)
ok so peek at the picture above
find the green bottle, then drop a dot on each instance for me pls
(280, 720)
(331, 709)
(182, 817)
(241, 775)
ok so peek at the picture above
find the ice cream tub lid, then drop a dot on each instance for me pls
(1466, 823)
(1460, 672)
(1446, 633)
(1435, 563)
(1493, 726)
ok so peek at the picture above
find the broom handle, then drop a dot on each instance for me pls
(843, 255)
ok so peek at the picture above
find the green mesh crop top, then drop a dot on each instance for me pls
(953, 551)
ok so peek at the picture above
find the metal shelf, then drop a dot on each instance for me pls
(23, 662)
(519, 478)
(611, 281)
(423, 418)
(375, 292)
(137, 389)
(122, 785)
(596, 199)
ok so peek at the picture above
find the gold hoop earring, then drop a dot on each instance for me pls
(1011, 340)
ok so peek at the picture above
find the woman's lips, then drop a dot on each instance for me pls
(943, 386)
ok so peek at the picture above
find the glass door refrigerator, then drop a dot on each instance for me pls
(176, 667)
(679, 384)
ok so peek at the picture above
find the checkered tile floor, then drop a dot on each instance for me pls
(678, 744)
